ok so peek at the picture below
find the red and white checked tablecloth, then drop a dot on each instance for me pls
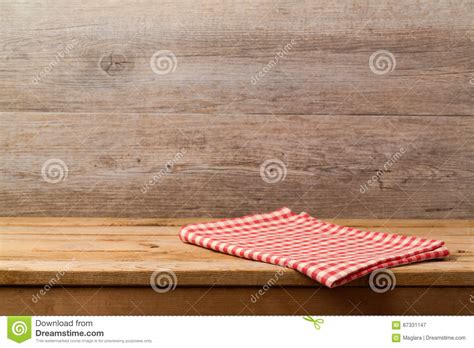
(328, 253)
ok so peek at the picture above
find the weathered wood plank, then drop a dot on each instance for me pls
(97, 57)
(236, 301)
(116, 165)
(459, 228)
(216, 272)
(9, 223)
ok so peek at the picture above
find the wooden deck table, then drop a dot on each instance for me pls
(100, 266)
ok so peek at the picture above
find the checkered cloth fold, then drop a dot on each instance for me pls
(328, 253)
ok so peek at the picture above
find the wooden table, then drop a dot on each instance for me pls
(103, 266)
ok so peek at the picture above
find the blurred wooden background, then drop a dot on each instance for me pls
(78, 92)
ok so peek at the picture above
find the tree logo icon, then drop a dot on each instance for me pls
(19, 328)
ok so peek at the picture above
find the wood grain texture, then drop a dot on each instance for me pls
(111, 157)
(95, 56)
(126, 254)
(77, 84)
(236, 301)
(51, 223)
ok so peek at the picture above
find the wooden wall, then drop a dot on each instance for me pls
(89, 128)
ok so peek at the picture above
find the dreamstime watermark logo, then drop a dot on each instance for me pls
(19, 328)
(54, 170)
(163, 280)
(271, 282)
(382, 280)
(166, 170)
(63, 52)
(382, 62)
(280, 54)
(273, 171)
(52, 282)
(163, 62)
(392, 159)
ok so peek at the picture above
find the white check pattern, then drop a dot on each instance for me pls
(328, 253)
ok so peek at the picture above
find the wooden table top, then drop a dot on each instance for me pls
(106, 251)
